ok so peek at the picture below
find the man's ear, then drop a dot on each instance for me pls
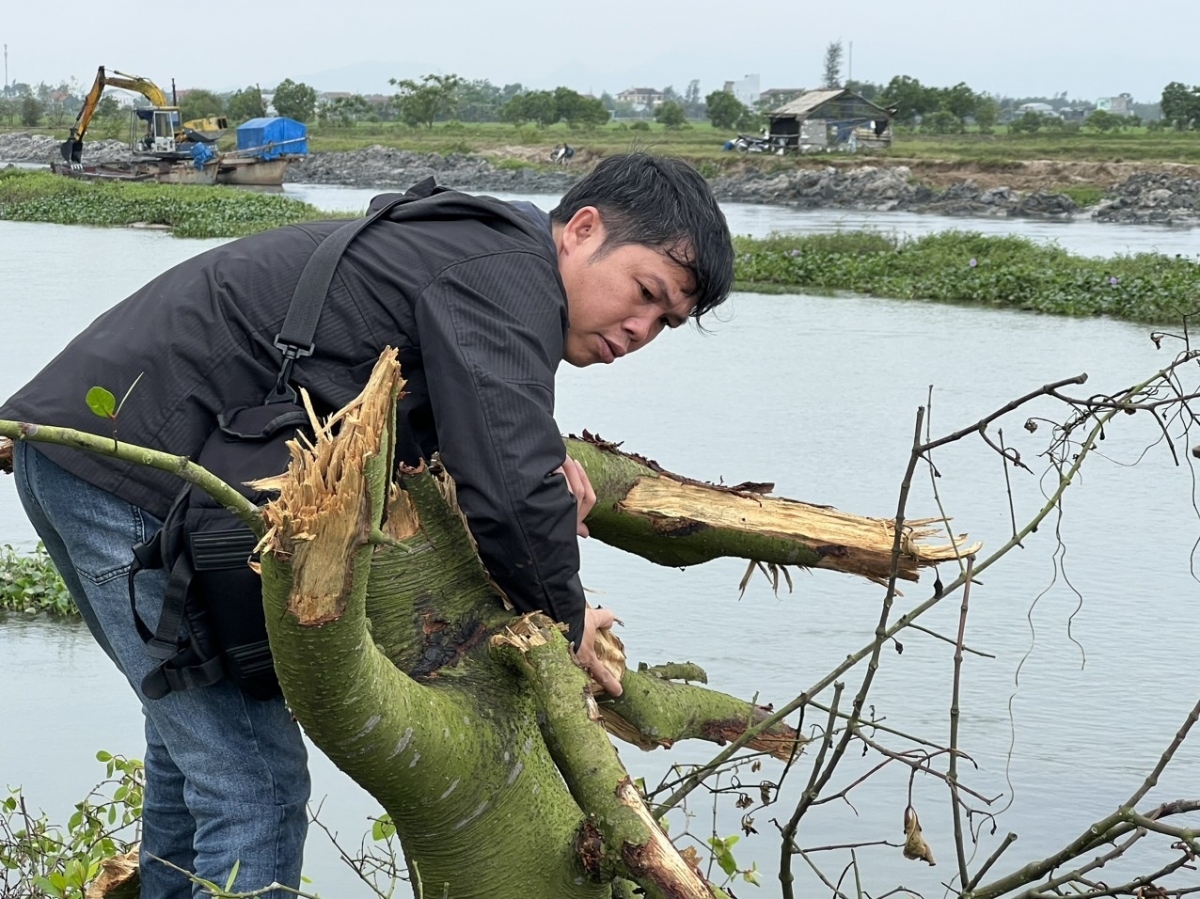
(583, 229)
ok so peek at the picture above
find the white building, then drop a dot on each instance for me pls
(746, 90)
(1118, 106)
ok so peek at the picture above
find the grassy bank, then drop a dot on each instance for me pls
(190, 211)
(965, 267)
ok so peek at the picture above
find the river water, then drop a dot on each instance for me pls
(817, 394)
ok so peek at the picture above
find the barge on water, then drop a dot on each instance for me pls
(266, 146)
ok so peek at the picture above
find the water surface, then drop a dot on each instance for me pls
(817, 394)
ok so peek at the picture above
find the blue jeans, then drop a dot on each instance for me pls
(226, 776)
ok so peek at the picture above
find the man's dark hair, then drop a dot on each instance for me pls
(665, 204)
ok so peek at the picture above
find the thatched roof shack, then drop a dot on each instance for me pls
(831, 120)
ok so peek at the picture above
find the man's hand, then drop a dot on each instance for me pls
(581, 488)
(593, 620)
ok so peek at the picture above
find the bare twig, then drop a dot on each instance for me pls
(952, 774)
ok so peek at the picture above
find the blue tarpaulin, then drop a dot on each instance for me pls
(273, 136)
(202, 153)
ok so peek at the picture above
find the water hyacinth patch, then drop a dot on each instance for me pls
(967, 267)
(188, 210)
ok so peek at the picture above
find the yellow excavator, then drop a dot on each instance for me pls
(166, 135)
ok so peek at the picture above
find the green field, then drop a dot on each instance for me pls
(700, 141)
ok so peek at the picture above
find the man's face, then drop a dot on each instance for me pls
(620, 299)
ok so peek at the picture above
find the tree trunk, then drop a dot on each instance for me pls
(472, 727)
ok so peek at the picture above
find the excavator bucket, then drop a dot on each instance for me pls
(72, 151)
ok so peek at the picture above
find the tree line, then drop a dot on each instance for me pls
(440, 98)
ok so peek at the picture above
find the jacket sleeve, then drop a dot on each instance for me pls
(491, 335)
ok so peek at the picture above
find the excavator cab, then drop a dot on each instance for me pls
(162, 125)
(165, 129)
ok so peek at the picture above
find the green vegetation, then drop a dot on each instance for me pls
(1130, 145)
(296, 100)
(42, 859)
(966, 267)
(30, 583)
(190, 211)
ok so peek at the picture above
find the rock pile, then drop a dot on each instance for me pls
(386, 167)
(18, 147)
(865, 188)
(1154, 198)
(885, 190)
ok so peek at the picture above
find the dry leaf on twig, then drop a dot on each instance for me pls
(915, 846)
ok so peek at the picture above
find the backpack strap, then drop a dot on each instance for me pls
(295, 338)
(173, 671)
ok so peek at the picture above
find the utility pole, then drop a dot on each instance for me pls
(6, 68)
(850, 64)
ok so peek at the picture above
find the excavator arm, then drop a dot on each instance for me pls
(72, 149)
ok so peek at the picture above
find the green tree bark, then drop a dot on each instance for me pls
(473, 727)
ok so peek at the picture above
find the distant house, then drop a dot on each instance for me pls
(745, 89)
(1076, 113)
(1039, 108)
(826, 120)
(647, 97)
(1119, 106)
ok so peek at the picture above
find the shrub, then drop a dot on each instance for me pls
(30, 583)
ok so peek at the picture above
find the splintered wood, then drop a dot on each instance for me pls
(840, 541)
(323, 513)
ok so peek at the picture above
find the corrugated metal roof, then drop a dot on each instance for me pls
(802, 106)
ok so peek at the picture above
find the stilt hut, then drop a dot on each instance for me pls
(831, 120)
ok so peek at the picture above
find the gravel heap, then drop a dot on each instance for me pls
(386, 167)
(17, 147)
(1152, 198)
(885, 190)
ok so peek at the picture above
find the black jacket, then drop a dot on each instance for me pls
(466, 288)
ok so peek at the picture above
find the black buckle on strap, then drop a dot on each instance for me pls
(281, 392)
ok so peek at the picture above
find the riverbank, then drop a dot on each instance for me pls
(949, 266)
(1111, 192)
(1162, 194)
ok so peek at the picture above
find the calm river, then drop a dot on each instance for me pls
(817, 394)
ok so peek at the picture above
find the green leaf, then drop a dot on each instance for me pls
(382, 828)
(102, 756)
(727, 862)
(101, 402)
(232, 876)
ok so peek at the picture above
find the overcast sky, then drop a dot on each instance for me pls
(1018, 48)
